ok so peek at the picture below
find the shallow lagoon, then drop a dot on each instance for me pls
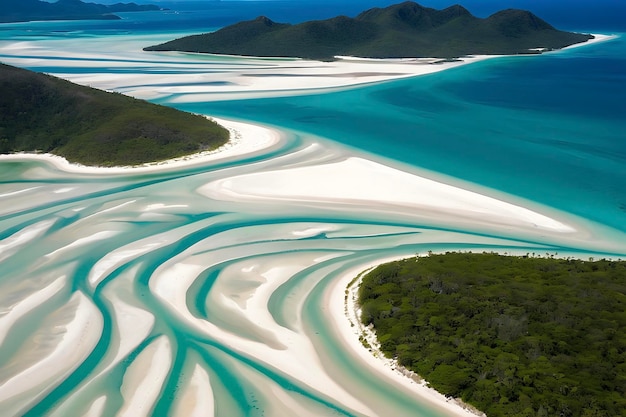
(228, 294)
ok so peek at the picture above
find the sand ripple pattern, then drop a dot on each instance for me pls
(217, 289)
(206, 290)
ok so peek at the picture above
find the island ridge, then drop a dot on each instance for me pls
(405, 30)
(41, 113)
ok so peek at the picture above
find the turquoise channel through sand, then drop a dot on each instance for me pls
(214, 288)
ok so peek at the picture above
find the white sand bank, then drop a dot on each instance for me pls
(18, 240)
(14, 311)
(295, 357)
(181, 77)
(596, 39)
(245, 139)
(144, 379)
(197, 396)
(359, 183)
(291, 77)
(53, 351)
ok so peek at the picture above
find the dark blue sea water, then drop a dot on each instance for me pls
(206, 15)
(567, 15)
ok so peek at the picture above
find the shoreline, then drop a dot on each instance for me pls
(343, 295)
(325, 76)
(364, 342)
(245, 139)
(597, 38)
(322, 76)
(193, 77)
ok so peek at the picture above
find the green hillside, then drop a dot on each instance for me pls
(39, 112)
(398, 31)
(513, 336)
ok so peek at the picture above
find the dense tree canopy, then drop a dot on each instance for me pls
(401, 30)
(513, 336)
(39, 112)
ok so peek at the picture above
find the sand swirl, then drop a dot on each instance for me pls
(214, 286)
(205, 290)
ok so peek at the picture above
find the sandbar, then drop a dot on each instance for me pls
(597, 37)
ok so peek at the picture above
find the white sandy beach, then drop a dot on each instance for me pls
(597, 37)
(342, 297)
(245, 139)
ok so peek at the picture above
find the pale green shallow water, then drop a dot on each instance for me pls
(159, 220)
(91, 265)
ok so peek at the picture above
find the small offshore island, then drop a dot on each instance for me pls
(31, 10)
(41, 113)
(510, 335)
(405, 30)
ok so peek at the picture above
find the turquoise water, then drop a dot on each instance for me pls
(550, 129)
(145, 294)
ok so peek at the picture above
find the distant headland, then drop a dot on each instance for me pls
(405, 30)
(33, 10)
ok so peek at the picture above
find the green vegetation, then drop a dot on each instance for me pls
(42, 113)
(513, 336)
(28, 10)
(401, 30)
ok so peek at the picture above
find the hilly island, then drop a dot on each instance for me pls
(511, 335)
(31, 10)
(41, 113)
(405, 30)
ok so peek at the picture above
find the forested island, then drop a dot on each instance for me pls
(405, 30)
(512, 336)
(42, 113)
(31, 10)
